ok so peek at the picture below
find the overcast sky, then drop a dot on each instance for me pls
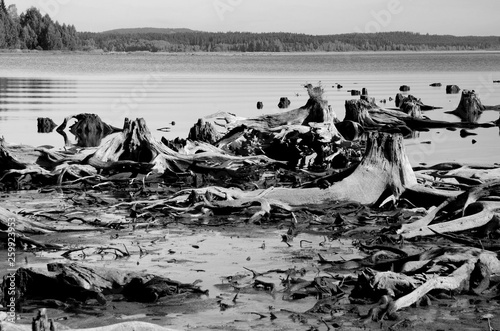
(456, 17)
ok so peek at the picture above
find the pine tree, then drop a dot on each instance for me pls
(2, 7)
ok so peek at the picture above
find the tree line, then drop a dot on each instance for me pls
(32, 30)
(284, 42)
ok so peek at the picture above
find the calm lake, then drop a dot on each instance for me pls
(163, 88)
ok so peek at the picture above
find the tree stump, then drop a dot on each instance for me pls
(399, 100)
(357, 111)
(364, 91)
(45, 125)
(355, 92)
(404, 88)
(260, 105)
(284, 103)
(452, 89)
(89, 129)
(470, 107)
(204, 131)
(412, 108)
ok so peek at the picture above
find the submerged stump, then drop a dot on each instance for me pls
(470, 107)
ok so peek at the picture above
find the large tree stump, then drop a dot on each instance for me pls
(470, 107)
(204, 131)
(369, 115)
(89, 129)
(384, 170)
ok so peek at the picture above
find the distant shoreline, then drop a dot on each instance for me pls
(204, 53)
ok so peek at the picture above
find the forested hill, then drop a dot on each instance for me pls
(129, 31)
(32, 30)
(282, 42)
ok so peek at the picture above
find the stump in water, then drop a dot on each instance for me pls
(260, 105)
(284, 103)
(404, 88)
(89, 129)
(470, 107)
(45, 125)
(412, 108)
(204, 131)
(452, 89)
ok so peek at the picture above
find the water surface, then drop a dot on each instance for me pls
(163, 88)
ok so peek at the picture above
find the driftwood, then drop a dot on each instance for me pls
(407, 289)
(42, 322)
(384, 170)
(83, 283)
(484, 213)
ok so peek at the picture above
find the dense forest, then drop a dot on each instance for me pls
(32, 30)
(195, 41)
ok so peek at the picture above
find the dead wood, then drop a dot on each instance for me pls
(484, 213)
(42, 322)
(204, 132)
(408, 289)
(315, 110)
(470, 107)
(22, 224)
(82, 283)
(89, 129)
(385, 169)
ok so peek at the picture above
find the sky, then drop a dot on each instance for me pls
(319, 17)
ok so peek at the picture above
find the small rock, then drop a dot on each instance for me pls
(404, 88)
(284, 103)
(474, 141)
(435, 84)
(260, 105)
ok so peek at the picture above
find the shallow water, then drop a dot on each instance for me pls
(163, 88)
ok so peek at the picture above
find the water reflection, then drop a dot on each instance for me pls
(89, 130)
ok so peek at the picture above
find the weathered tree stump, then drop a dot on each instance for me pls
(470, 107)
(45, 125)
(412, 108)
(399, 100)
(404, 88)
(452, 89)
(89, 129)
(284, 103)
(260, 105)
(364, 91)
(355, 92)
(204, 131)
(384, 170)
